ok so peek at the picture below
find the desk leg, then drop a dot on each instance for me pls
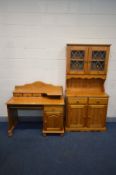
(15, 117)
(11, 121)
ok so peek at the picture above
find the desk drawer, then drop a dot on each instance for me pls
(77, 100)
(98, 101)
(53, 108)
(27, 95)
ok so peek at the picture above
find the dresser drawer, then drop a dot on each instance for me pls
(77, 100)
(98, 101)
(53, 108)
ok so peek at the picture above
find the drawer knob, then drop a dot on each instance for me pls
(98, 102)
(77, 102)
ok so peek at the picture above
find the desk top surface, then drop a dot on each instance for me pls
(35, 101)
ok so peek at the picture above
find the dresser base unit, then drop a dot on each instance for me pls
(86, 113)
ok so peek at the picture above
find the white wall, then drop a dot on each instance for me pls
(34, 33)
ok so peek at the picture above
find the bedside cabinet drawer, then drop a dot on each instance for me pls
(53, 109)
(98, 101)
(77, 100)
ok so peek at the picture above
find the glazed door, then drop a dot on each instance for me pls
(96, 116)
(98, 59)
(76, 116)
(53, 121)
(77, 59)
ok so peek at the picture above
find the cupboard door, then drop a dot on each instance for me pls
(76, 116)
(96, 116)
(98, 60)
(53, 121)
(77, 59)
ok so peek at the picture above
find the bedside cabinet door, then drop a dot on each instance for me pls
(76, 116)
(53, 121)
(97, 116)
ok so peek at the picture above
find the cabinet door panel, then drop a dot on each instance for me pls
(77, 57)
(98, 59)
(76, 116)
(53, 121)
(96, 116)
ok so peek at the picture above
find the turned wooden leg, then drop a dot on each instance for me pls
(10, 132)
(10, 121)
(15, 117)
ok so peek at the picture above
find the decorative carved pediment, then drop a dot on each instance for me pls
(36, 89)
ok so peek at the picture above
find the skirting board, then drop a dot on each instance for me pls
(35, 118)
(111, 119)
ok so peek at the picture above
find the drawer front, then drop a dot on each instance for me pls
(27, 95)
(53, 109)
(17, 94)
(77, 100)
(36, 95)
(98, 101)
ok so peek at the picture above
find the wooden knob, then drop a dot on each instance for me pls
(98, 102)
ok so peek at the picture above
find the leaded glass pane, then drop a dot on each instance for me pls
(77, 54)
(77, 65)
(99, 55)
(97, 65)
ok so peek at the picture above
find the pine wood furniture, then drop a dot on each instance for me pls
(86, 100)
(38, 95)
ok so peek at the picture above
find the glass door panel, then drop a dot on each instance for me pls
(97, 65)
(77, 56)
(76, 65)
(97, 60)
